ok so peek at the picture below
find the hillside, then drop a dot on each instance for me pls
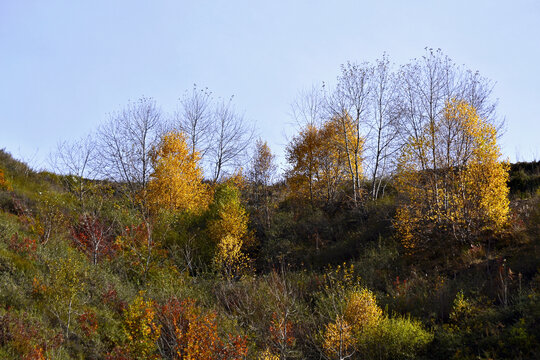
(63, 299)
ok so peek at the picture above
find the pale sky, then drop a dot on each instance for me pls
(64, 65)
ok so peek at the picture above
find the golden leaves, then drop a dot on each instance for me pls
(176, 183)
(362, 310)
(338, 338)
(140, 328)
(452, 178)
(229, 230)
(322, 159)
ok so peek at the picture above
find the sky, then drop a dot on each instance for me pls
(66, 65)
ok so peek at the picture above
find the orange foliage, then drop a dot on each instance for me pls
(338, 340)
(281, 333)
(4, 183)
(190, 333)
(321, 160)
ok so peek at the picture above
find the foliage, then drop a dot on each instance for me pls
(94, 238)
(5, 185)
(176, 183)
(453, 180)
(135, 247)
(228, 229)
(141, 328)
(318, 158)
(362, 311)
(396, 338)
(172, 254)
(338, 340)
(189, 333)
(363, 329)
(26, 338)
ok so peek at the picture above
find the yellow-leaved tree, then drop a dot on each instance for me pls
(452, 181)
(228, 228)
(360, 315)
(321, 160)
(177, 180)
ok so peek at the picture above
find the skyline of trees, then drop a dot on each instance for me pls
(384, 102)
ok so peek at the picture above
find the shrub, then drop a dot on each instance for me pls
(395, 338)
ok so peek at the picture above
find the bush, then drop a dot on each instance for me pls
(395, 338)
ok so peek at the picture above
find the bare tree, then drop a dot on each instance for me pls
(427, 84)
(194, 119)
(125, 143)
(77, 159)
(308, 107)
(349, 104)
(384, 124)
(261, 175)
(232, 137)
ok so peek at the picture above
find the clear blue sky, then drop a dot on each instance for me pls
(64, 65)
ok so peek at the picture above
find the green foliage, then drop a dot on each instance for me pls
(395, 338)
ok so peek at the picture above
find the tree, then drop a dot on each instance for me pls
(190, 333)
(318, 162)
(284, 298)
(338, 340)
(228, 229)
(428, 83)
(93, 237)
(144, 257)
(177, 180)
(231, 141)
(141, 328)
(125, 144)
(349, 105)
(194, 119)
(261, 175)
(63, 290)
(384, 124)
(78, 160)
(309, 107)
(302, 156)
(453, 180)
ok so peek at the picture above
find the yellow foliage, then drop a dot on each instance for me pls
(362, 311)
(177, 181)
(229, 256)
(338, 339)
(453, 179)
(320, 160)
(341, 278)
(232, 221)
(267, 355)
(229, 231)
(140, 328)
